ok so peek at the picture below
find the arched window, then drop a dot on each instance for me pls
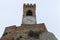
(29, 13)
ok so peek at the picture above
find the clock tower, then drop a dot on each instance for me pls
(29, 14)
(29, 30)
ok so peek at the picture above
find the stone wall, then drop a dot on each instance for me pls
(14, 31)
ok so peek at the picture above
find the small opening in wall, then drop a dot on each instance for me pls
(31, 33)
(29, 13)
(20, 36)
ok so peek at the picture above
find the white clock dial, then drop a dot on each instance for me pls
(29, 20)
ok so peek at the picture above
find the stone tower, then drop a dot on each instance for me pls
(29, 30)
(29, 14)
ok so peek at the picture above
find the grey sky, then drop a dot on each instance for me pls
(47, 11)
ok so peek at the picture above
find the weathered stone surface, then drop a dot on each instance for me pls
(43, 36)
(47, 36)
(17, 33)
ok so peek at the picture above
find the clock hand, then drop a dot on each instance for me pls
(30, 20)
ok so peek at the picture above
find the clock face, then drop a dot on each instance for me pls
(29, 20)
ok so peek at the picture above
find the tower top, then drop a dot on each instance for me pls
(29, 5)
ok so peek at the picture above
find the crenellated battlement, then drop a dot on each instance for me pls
(29, 5)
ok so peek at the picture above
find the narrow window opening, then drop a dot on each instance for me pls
(29, 13)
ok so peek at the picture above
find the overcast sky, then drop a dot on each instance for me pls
(47, 11)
